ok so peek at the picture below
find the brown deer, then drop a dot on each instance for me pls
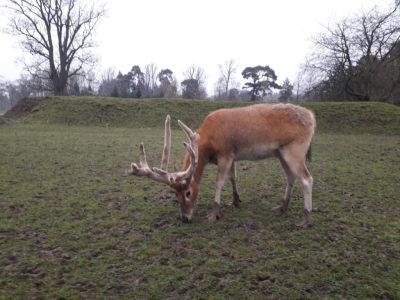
(227, 135)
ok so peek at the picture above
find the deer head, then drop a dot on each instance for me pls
(179, 180)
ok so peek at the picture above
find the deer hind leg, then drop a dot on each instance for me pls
(224, 167)
(235, 194)
(290, 178)
(294, 156)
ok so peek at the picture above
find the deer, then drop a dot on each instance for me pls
(228, 135)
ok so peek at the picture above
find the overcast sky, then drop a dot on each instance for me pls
(175, 34)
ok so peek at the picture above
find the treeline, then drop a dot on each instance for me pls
(150, 82)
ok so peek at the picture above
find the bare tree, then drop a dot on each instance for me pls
(150, 80)
(195, 72)
(58, 34)
(219, 91)
(227, 73)
(108, 74)
(357, 55)
(306, 79)
(107, 82)
(193, 84)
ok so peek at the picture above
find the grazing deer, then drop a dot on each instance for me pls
(228, 135)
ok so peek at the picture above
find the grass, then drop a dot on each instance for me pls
(72, 226)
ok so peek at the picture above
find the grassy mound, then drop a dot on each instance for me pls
(24, 107)
(332, 117)
(356, 117)
(4, 121)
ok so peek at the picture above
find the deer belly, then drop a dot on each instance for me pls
(256, 152)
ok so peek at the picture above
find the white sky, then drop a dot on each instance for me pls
(175, 34)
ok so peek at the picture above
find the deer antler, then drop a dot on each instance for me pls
(167, 144)
(193, 137)
(162, 175)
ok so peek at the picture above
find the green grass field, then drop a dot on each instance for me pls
(73, 226)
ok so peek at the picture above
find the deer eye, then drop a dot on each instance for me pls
(187, 194)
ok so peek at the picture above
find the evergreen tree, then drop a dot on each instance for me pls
(286, 92)
(76, 89)
(261, 80)
(115, 93)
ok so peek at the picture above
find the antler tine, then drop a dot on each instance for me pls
(189, 133)
(183, 175)
(193, 162)
(192, 136)
(144, 170)
(134, 169)
(167, 144)
(142, 157)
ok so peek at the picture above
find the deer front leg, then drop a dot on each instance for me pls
(224, 165)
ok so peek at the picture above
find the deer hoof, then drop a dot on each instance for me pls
(236, 201)
(281, 209)
(215, 214)
(306, 222)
